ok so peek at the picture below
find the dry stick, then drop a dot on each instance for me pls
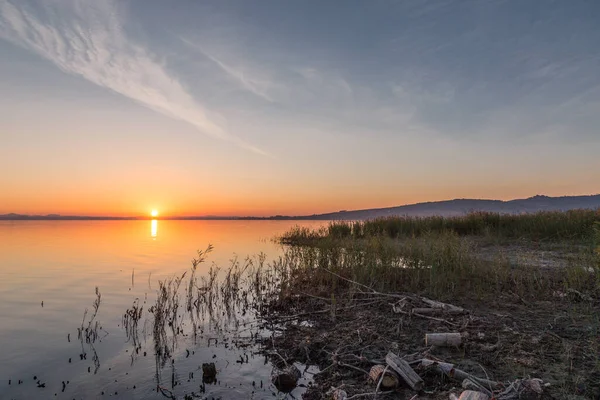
(436, 311)
(452, 309)
(373, 291)
(341, 364)
(284, 317)
(356, 396)
(443, 306)
(349, 280)
(487, 376)
(398, 311)
(314, 297)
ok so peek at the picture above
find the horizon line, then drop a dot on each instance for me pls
(56, 216)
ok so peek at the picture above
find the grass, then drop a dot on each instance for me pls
(443, 257)
(578, 225)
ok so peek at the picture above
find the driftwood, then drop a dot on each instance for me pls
(286, 379)
(523, 389)
(405, 371)
(455, 373)
(339, 394)
(468, 384)
(443, 306)
(389, 379)
(427, 311)
(473, 395)
(443, 339)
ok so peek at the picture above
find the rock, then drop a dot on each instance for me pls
(209, 373)
(286, 379)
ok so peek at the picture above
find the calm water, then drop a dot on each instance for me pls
(49, 271)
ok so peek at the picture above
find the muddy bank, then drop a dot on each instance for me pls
(503, 340)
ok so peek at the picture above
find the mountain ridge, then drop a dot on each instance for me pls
(463, 206)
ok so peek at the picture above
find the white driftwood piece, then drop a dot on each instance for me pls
(339, 394)
(427, 311)
(443, 306)
(468, 384)
(473, 395)
(452, 339)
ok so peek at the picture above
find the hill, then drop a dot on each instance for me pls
(464, 206)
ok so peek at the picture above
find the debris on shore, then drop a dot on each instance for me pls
(384, 345)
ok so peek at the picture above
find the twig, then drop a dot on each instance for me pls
(341, 364)
(314, 297)
(357, 396)
(399, 311)
(380, 380)
(372, 291)
(285, 317)
(486, 375)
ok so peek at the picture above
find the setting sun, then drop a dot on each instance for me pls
(154, 213)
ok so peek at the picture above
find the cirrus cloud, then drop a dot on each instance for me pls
(87, 39)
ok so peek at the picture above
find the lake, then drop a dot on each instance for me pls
(50, 270)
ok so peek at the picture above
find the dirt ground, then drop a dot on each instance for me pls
(532, 254)
(507, 339)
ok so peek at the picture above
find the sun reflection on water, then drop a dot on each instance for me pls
(154, 228)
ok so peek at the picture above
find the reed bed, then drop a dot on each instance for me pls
(444, 257)
(549, 226)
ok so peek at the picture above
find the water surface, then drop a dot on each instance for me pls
(49, 272)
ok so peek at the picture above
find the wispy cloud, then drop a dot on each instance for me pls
(248, 82)
(86, 38)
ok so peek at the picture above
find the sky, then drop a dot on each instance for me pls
(118, 107)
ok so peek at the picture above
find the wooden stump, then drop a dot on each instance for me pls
(405, 371)
(286, 379)
(443, 339)
(390, 379)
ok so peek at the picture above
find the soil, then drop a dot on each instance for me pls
(531, 254)
(505, 339)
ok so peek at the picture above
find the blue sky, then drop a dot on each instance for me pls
(277, 106)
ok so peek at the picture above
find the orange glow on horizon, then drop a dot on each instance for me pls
(314, 200)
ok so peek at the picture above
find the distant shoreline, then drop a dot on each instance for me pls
(88, 218)
(444, 208)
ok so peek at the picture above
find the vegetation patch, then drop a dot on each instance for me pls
(353, 292)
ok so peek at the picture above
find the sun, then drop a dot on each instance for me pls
(154, 213)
